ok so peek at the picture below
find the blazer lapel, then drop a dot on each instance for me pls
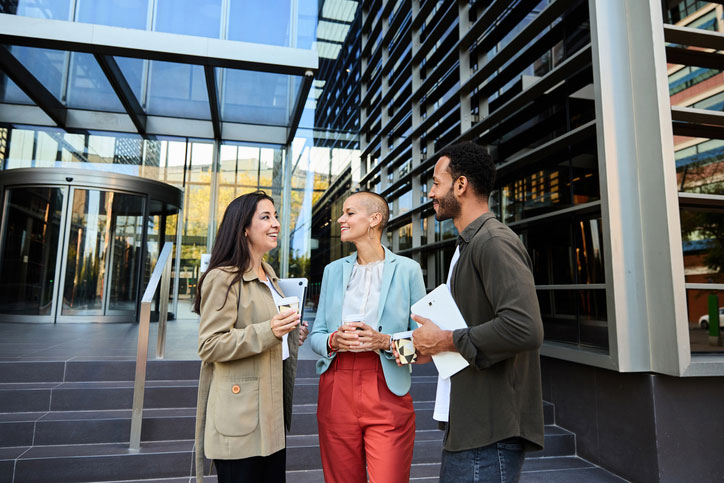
(339, 297)
(387, 273)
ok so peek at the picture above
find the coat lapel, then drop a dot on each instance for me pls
(387, 273)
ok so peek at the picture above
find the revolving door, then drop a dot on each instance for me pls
(79, 245)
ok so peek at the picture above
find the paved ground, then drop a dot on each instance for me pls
(68, 341)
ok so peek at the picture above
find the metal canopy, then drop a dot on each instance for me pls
(226, 87)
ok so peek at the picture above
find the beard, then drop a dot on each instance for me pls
(447, 207)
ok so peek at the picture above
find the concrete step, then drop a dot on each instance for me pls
(124, 370)
(172, 459)
(97, 395)
(159, 424)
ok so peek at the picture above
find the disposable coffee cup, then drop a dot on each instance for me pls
(405, 347)
(288, 303)
(353, 318)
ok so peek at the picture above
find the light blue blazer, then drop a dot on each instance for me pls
(402, 286)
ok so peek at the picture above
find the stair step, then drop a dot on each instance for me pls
(104, 462)
(172, 459)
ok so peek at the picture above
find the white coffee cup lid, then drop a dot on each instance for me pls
(353, 318)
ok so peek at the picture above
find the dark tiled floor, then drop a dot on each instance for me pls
(83, 341)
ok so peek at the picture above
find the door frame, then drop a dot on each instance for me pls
(70, 179)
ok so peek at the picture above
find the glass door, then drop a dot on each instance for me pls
(104, 234)
(31, 241)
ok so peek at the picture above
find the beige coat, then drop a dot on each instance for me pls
(245, 392)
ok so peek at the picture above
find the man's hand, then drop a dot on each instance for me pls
(429, 339)
(420, 358)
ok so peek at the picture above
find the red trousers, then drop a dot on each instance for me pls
(362, 423)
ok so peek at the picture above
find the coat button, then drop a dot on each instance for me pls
(235, 389)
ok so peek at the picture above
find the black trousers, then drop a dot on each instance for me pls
(266, 469)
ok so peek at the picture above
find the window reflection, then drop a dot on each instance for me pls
(50, 9)
(252, 21)
(566, 251)
(699, 165)
(404, 235)
(575, 316)
(128, 13)
(699, 304)
(89, 88)
(178, 90)
(189, 17)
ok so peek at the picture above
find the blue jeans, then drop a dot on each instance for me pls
(499, 462)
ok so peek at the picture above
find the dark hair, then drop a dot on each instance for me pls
(474, 162)
(231, 248)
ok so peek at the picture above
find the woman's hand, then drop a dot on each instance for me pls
(303, 332)
(284, 323)
(368, 338)
(346, 338)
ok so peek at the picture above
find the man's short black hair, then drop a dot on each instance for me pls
(474, 162)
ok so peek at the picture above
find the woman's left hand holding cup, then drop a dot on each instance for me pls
(369, 338)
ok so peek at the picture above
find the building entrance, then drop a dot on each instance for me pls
(78, 245)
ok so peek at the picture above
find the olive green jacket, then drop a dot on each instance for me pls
(245, 391)
(499, 395)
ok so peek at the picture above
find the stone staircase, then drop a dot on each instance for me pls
(70, 421)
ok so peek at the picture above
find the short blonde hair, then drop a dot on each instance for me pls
(375, 203)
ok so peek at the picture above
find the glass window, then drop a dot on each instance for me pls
(566, 251)
(132, 70)
(699, 304)
(699, 165)
(405, 237)
(28, 260)
(11, 93)
(178, 90)
(540, 192)
(702, 236)
(89, 88)
(190, 17)
(260, 22)
(128, 13)
(48, 66)
(445, 229)
(575, 316)
(258, 97)
(51, 9)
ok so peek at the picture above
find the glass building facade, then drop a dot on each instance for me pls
(142, 99)
(530, 80)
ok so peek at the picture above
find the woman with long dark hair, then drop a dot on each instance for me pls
(248, 350)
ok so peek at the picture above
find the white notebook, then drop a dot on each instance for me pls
(439, 306)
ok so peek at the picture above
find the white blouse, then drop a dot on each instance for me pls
(362, 295)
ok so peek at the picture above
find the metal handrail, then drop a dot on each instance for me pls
(161, 273)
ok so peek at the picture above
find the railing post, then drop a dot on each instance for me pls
(139, 384)
(161, 273)
(163, 310)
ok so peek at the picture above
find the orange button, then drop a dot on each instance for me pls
(235, 389)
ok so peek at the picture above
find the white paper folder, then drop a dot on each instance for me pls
(440, 307)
